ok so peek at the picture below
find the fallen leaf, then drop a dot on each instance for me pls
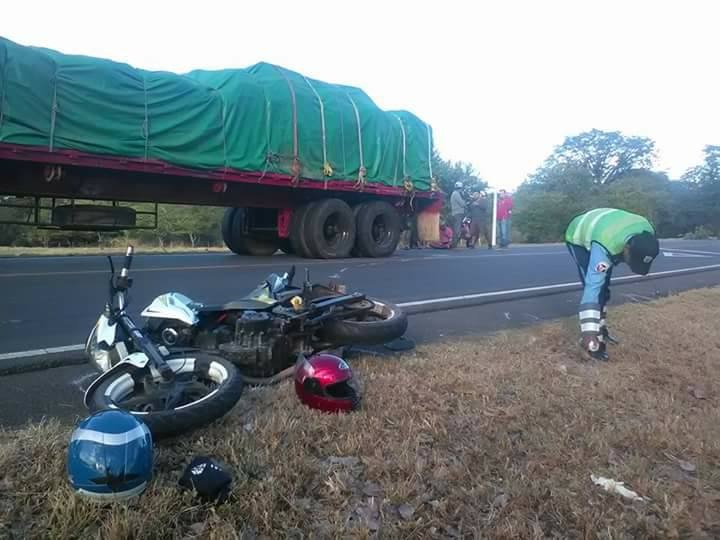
(613, 486)
(686, 466)
(371, 489)
(406, 511)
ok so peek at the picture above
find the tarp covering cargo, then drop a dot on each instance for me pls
(261, 119)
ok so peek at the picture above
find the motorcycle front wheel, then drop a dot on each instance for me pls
(205, 388)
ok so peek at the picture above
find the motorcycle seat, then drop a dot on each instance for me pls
(237, 305)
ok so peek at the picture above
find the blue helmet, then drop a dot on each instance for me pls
(110, 456)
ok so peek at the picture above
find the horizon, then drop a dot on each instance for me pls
(644, 69)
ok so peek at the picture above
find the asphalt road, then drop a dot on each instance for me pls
(51, 302)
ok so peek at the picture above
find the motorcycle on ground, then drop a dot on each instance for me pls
(171, 392)
(263, 332)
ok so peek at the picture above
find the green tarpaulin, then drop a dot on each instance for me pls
(262, 119)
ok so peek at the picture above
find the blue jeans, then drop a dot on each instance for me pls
(504, 231)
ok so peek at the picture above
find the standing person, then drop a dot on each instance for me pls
(479, 214)
(598, 240)
(457, 212)
(504, 212)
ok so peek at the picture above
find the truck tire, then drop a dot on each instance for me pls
(246, 244)
(330, 229)
(298, 237)
(228, 232)
(378, 229)
(286, 246)
(259, 246)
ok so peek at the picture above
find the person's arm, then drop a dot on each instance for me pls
(590, 308)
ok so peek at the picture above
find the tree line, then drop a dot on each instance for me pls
(609, 169)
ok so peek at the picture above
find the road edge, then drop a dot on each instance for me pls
(14, 363)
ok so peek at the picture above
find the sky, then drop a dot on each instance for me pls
(502, 83)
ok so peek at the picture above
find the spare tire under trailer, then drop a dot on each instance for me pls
(324, 229)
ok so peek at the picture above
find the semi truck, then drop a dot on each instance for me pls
(301, 165)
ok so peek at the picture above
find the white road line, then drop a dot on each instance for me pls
(684, 255)
(546, 287)
(37, 352)
(448, 299)
(683, 250)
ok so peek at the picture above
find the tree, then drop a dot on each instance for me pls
(448, 173)
(706, 180)
(604, 155)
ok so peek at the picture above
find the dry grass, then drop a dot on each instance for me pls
(12, 251)
(495, 437)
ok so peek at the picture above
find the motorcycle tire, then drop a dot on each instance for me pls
(389, 323)
(198, 412)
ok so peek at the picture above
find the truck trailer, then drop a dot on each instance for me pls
(303, 166)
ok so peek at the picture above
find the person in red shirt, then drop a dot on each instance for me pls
(504, 212)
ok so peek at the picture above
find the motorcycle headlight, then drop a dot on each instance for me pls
(100, 358)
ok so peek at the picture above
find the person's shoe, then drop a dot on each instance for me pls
(607, 337)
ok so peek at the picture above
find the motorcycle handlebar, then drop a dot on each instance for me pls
(127, 262)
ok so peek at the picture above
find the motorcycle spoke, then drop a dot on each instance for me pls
(161, 399)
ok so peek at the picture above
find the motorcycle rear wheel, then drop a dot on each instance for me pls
(210, 386)
(382, 323)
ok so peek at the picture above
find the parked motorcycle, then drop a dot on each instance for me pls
(263, 332)
(171, 392)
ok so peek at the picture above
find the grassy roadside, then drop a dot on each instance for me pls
(11, 251)
(493, 437)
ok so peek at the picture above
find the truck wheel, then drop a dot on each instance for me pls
(355, 251)
(286, 246)
(259, 246)
(228, 232)
(248, 244)
(298, 236)
(378, 229)
(330, 229)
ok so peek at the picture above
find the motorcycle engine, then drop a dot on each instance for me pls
(258, 346)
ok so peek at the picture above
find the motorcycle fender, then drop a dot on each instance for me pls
(136, 360)
(106, 331)
(172, 307)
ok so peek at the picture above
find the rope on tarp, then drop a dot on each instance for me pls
(327, 168)
(296, 167)
(53, 113)
(434, 184)
(146, 120)
(362, 173)
(407, 182)
(224, 137)
(3, 80)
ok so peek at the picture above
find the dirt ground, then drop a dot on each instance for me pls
(495, 437)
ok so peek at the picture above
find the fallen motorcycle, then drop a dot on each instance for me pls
(171, 392)
(263, 333)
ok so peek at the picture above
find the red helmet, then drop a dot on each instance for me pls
(326, 382)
